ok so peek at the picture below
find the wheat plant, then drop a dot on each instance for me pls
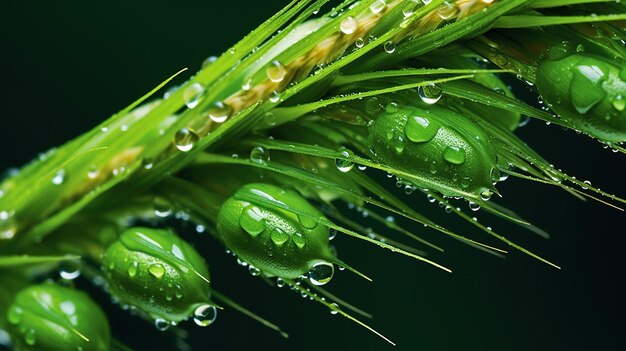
(332, 135)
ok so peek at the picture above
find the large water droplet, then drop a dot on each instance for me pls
(132, 269)
(377, 6)
(251, 220)
(344, 165)
(15, 314)
(59, 177)
(161, 324)
(586, 87)
(30, 337)
(274, 96)
(259, 155)
(619, 103)
(185, 139)
(420, 129)
(205, 315)
(454, 155)
(193, 95)
(298, 239)
(430, 93)
(389, 47)
(157, 270)
(220, 112)
(306, 222)
(275, 71)
(69, 269)
(321, 273)
(279, 236)
(349, 25)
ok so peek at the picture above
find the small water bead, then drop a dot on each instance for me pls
(448, 209)
(275, 71)
(474, 206)
(349, 25)
(219, 112)
(619, 103)
(344, 165)
(192, 95)
(162, 208)
(389, 47)
(334, 308)
(409, 8)
(132, 269)
(247, 85)
(420, 129)
(377, 6)
(259, 155)
(161, 324)
(588, 183)
(208, 61)
(447, 11)
(280, 282)
(298, 239)
(255, 272)
(359, 43)
(69, 269)
(205, 315)
(30, 337)
(408, 189)
(321, 273)
(251, 221)
(59, 177)
(274, 96)
(157, 270)
(430, 198)
(454, 155)
(185, 139)
(15, 314)
(278, 236)
(486, 195)
(7, 225)
(430, 93)
(332, 233)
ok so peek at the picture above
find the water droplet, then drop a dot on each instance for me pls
(332, 233)
(448, 11)
(321, 273)
(298, 239)
(389, 47)
(280, 282)
(259, 155)
(59, 177)
(334, 308)
(408, 8)
(205, 315)
(29, 337)
(430, 198)
(349, 25)
(132, 269)
(342, 164)
(69, 269)
(486, 195)
(430, 93)
(359, 43)
(15, 314)
(377, 6)
(474, 206)
(157, 270)
(588, 183)
(279, 236)
(251, 220)
(454, 155)
(420, 129)
(275, 71)
(408, 189)
(274, 96)
(185, 139)
(7, 225)
(161, 207)
(220, 112)
(307, 222)
(255, 272)
(93, 172)
(193, 95)
(208, 61)
(247, 85)
(161, 324)
(585, 88)
(619, 102)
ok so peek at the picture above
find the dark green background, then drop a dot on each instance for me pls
(68, 65)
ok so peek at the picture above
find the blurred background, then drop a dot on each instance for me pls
(68, 65)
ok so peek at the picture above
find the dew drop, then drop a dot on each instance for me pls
(334, 308)
(408, 189)
(585, 88)
(619, 103)
(185, 139)
(447, 11)
(208, 61)
(276, 72)
(205, 315)
(15, 314)
(349, 25)
(93, 172)
(161, 324)
(280, 282)
(474, 206)
(251, 221)
(389, 47)
(259, 155)
(247, 85)
(377, 6)
(29, 337)
(157, 270)
(161, 207)
(220, 112)
(321, 273)
(359, 43)
(279, 236)
(454, 155)
(59, 177)
(193, 95)
(298, 239)
(132, 269)
(274, 96)
(430, 198)
(430, 93)
(420, 129)
(486, 195)
(8, 226)
(342, 164)
(69, 269)
(255, 272)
